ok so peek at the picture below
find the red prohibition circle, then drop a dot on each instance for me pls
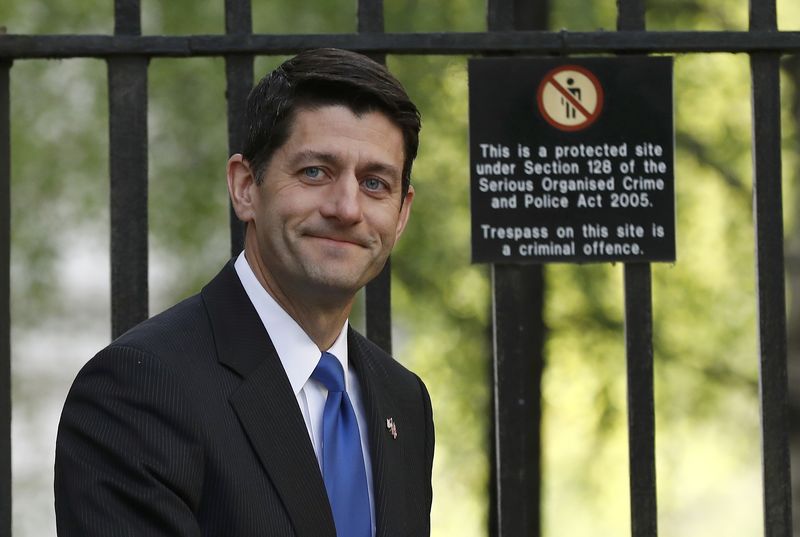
(590, 116)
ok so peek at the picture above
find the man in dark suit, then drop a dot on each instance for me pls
(252, 408)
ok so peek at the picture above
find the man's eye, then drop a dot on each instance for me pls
(312, 172)
(373, 183)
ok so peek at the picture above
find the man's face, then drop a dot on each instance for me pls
(328, 210)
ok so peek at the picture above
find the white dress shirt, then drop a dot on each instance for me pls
(299, 356)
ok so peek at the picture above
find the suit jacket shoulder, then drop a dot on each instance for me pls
(187, 425)
(162, 434)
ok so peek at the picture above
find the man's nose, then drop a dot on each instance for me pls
(343, 200)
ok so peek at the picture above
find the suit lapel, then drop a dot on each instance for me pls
(380, 404)
(267, 406)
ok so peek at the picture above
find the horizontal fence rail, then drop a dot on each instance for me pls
(17, 46)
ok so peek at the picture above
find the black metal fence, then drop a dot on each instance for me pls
(518, 331)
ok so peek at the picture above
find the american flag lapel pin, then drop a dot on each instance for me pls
(390, 425)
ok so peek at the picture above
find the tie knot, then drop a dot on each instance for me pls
(329, 372)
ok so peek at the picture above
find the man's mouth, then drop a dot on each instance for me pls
(339, 239)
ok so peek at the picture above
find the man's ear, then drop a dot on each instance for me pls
(241, 185)
(405, 212)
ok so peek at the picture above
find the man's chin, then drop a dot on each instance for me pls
(342, 282)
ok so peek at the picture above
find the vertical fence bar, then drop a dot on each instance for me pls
(370, 16)
(641, 412)
(639, 353)
(5, 299)
(518, 353)
(371, 21)
(127, 93)
(630, 15)
(531, 14)
(378, 305)
(768, 220)
(518, 302)
(239, 80)
(378, 295)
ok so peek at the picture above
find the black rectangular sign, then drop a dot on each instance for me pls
(572, 159)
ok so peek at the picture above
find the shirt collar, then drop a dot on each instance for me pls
(298, 354)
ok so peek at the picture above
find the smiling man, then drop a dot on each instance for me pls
(253, 409)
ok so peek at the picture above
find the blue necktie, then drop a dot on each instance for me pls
(342, 460)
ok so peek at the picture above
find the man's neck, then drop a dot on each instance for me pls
(321, 320)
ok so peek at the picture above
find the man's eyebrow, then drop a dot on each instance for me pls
(381, 168)
(310, 156)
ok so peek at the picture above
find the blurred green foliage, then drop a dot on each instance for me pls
(704, 305)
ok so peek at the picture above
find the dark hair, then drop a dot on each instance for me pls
(324, 77)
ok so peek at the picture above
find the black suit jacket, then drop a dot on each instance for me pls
(187, 426)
